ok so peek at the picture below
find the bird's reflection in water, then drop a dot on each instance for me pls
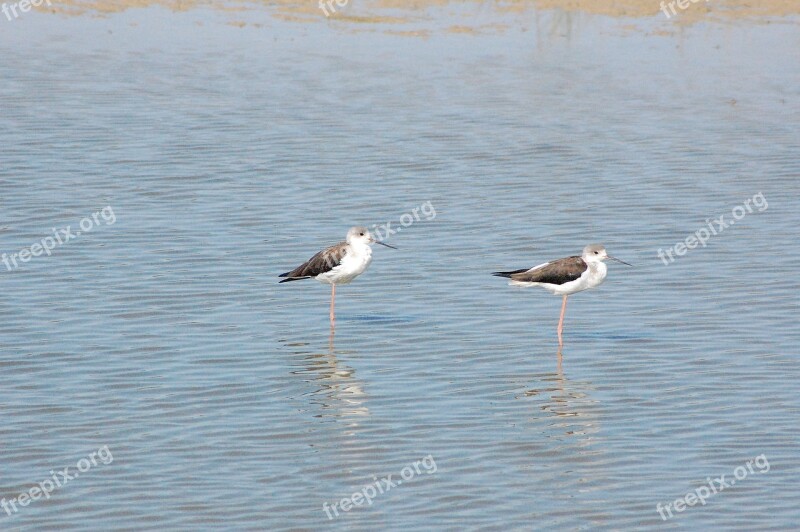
(338, 395)
(570, 409)
(568, 449)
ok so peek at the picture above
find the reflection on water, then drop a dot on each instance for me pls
(565, 406)
(339, 394)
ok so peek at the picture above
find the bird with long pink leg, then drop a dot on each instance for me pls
(338, 264)
(565, 276)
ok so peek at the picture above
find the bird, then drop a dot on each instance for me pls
(339, 263)
(565, 276)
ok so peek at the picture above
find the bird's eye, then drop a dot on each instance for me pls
(360, 234)
(596, 252)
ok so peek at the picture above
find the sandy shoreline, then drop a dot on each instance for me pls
(399, 11)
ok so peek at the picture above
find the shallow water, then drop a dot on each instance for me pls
(230, 154)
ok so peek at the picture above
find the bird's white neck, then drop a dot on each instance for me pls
(597, 272)
(361, 249)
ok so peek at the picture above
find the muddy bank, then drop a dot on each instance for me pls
(402, 11)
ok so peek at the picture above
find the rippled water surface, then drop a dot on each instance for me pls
(231, 154)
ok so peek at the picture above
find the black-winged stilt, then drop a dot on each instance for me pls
(338, 264)
(565, 276)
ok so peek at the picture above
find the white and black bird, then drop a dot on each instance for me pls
(338, 264)
(565, 276)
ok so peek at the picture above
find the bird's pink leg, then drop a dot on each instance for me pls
(333, 300)
(561, 321)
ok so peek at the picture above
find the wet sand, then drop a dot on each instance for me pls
(388, 12)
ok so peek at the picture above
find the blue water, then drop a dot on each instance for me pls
(230, 154)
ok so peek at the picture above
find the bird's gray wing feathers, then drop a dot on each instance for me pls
(322, 262)
(557, 272)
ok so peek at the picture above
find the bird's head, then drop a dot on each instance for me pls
(360, 236)
(597, 253)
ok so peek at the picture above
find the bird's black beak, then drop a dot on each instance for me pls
(382, 244)
(621, 261)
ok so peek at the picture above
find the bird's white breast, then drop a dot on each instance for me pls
(353, 264)
(597, 274)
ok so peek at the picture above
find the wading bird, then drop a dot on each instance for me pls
(338, 264)
(565, 276)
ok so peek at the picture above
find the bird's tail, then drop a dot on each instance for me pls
(287, 274)
(508, 274)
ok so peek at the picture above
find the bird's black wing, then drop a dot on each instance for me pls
(557, 272)
(322, 262)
